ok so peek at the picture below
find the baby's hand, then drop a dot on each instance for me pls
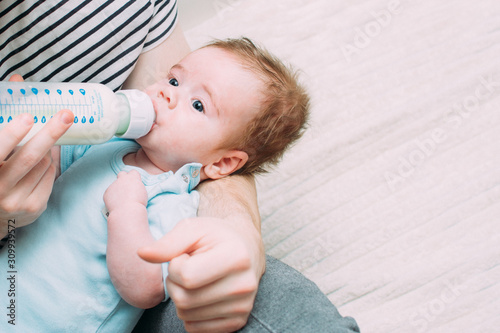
(126, 189)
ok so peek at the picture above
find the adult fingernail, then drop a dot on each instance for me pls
(67, 117)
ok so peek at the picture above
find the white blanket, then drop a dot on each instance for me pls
(390, 202)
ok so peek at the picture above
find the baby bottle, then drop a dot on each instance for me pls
(99, 113)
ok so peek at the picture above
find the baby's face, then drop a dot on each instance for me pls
(206, 98)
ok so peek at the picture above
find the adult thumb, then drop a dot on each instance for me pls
(181, 239)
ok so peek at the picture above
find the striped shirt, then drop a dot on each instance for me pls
(80, 40)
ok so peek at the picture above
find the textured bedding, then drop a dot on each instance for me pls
(390, 202)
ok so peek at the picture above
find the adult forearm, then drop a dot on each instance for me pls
(233, 198)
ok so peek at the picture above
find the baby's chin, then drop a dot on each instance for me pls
(145, 137)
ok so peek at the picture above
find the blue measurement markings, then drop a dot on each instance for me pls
(39, 107)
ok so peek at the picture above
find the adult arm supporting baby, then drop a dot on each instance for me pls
(216, 262)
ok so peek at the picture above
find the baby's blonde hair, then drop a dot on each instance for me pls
(283, 114)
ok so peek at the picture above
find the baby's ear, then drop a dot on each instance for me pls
(226, 165)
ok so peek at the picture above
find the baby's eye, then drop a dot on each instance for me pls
(173, 82)
(198, 105)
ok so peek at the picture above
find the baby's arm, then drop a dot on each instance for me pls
(138, 282)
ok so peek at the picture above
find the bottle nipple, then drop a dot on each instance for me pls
(142, 114)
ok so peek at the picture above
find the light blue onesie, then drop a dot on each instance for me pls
(61, 282)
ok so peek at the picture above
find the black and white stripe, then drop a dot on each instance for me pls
(80, 41)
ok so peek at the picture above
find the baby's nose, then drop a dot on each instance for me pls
(168, 98)
(163, 96)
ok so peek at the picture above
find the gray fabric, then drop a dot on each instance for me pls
(286, 302)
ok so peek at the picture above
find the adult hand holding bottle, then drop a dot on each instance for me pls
(27, 173)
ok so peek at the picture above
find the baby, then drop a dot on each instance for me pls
(229, 107)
